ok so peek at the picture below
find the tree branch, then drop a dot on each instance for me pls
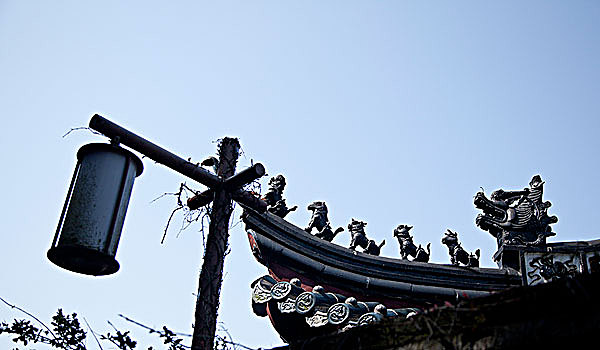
(30, 315)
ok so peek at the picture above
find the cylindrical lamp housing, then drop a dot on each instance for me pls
(90, 224)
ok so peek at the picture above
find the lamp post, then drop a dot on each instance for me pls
(81, 247)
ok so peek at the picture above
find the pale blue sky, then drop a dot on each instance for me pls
(390, 111)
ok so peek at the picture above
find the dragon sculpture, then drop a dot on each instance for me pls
(516, 217)
(407, 247)
(320, 221)
(274, 197)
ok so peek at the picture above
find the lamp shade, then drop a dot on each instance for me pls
(90, 224)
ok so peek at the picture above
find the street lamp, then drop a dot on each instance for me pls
(90, 225)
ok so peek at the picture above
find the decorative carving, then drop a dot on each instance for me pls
(373, 248)
(359, 238)
(516, 217)
(260, 294)
(274, 197)
(319, 319)
(457, 254)
(320, 221)
(338, 313)
(368, 318)
(288, 306)
(407, 247)
(280, 208)
(549, 267)
(305, 302)
(281, 290)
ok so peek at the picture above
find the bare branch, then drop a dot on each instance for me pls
(168, 222)
(222, 339)
(30, 315)
(82, 128)
(112, 325)
(164, 194)
(189, 216)
(152, 330)
(93, 333)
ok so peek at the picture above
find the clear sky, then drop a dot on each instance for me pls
(390, 111)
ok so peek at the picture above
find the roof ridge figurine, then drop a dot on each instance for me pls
(457, 253)
(274, 197)
(373, 248)
(516, 217)
(407, 247)
(359, 238)
(320, 221)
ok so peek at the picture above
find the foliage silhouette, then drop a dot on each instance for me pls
(66, 333)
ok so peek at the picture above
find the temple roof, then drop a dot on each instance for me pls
(315, 287)
(562, 313)
(288, 252)
(298, 313)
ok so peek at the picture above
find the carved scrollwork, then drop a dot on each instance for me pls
(548, 267)
(281, 290)
(368, 318)
(319, 319)
(338, 313)
(260, 294)
(305, 302)
(288, 306)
